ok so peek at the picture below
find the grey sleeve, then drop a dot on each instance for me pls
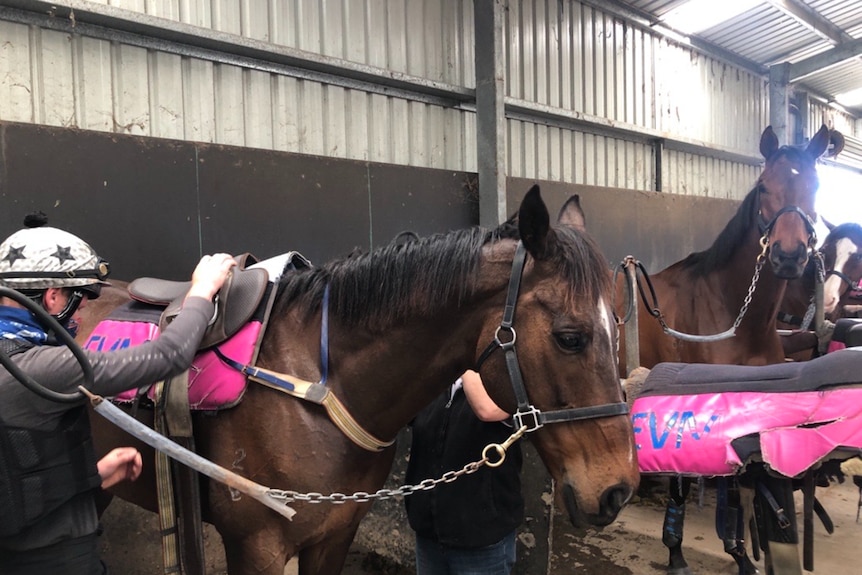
(116, 371)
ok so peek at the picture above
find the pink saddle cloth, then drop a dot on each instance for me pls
(710, 420)
(212, 384)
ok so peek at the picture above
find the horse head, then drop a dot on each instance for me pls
(842, 254)
(567, 345)
(787, 190)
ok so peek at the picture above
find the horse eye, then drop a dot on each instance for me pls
(572, 341)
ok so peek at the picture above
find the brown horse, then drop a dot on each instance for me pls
(734, 287)
(841, 255)
(405, 321)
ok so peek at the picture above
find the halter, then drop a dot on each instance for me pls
(766, 228)
(534, 417)
(842, 276)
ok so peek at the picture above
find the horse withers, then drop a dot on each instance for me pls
(720, 305)
(404, 321)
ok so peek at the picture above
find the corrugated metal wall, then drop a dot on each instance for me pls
(572, 58)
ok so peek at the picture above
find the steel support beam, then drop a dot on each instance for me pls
(779, 86)
(490, 112)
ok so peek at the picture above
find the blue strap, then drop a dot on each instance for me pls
(324, 337)
(252, 371)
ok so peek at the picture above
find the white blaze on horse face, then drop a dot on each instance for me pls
(607, 323)
(833, 286)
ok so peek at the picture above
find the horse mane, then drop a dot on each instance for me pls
(418, 278)
(730, 238)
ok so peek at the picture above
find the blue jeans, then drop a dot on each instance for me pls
(432, 558)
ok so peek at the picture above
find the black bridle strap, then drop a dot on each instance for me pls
(765, 228)
(842, 276)
(527, 415)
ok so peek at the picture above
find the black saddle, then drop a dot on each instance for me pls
(840, 368)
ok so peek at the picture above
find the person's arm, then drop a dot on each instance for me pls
(122, 463)
(169, 354)
(481, 403)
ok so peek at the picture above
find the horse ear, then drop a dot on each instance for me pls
(836, 143)
(819, 143)
(534, 223)
(571, 214)
(829, 225)
(768, 143)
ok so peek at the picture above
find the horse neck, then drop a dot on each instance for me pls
(383, 377)
(769, 291)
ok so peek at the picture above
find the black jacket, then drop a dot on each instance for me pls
(477, 509)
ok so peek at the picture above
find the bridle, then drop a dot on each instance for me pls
(766, 227)
(528, 415)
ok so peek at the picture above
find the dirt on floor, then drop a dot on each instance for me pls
(630, 546)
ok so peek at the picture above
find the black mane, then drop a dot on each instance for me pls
(418, 278)
(730, 238)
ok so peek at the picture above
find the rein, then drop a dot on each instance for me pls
(528, 415)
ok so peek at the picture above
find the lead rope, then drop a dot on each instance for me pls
(728, 333)
(497, 449)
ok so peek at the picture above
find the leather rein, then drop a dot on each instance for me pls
(527, 415)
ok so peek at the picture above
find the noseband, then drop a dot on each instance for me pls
(766, 228)
(527, 415)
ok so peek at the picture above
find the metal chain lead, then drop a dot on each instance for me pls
(288, 496)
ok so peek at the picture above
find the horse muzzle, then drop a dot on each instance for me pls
(611, 503)
(788, 265)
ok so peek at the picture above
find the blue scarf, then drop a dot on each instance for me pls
(17, 323)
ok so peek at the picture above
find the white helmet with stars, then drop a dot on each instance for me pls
(40, 257)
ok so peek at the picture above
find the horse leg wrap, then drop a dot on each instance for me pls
(674, 519)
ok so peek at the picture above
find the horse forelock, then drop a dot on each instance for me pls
(580, 264)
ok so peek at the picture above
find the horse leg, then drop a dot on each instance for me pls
(674, 522)
(776, 519)
(730, 524)
(327, 556)
(261, 553)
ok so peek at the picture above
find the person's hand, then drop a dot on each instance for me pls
(210, 274)
(119, 465)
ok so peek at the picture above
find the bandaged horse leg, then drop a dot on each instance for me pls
(674, 523)
(775, 511)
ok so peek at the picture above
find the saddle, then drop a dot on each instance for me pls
(237, 300)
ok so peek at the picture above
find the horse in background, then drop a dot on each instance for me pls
(404, 321)
(738, 283)
(842, 271)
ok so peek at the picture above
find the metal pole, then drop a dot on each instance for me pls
(633, 352)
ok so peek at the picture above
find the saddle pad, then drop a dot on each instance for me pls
(819, 410)
(212, 384)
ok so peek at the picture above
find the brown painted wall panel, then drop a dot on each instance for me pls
(657, 229)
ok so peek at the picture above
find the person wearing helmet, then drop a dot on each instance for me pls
(48, 469)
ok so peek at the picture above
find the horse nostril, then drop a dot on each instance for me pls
(615, 498)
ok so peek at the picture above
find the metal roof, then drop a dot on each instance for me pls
(820, 39)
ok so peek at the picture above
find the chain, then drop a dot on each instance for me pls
(288, 496)
(754, 278)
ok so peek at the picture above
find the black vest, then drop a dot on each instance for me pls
(475, 510)
(40, 471)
